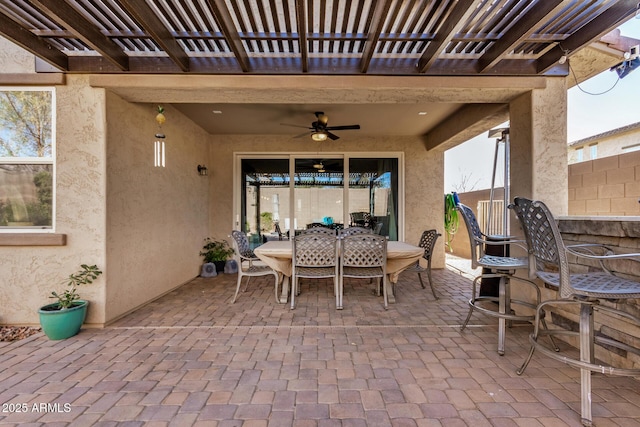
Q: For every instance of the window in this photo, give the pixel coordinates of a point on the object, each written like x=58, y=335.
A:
x=579, y=155
x=630, y=148
x=593, y=151
x=26, y=159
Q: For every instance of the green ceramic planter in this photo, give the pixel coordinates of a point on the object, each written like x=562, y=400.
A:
x=61, y=324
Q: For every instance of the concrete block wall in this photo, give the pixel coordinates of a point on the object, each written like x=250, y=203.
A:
x=609, y=186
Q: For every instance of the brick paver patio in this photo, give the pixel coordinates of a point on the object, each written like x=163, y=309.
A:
x=192, y=358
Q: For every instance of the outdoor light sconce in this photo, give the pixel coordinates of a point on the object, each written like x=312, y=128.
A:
x=202, y=170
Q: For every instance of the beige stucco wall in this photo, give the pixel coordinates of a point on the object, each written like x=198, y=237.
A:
x=30, y=273
x=157, y=217
x=14, y=59
x=538, y=131
x=424, y=176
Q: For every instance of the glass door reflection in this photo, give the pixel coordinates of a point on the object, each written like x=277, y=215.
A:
x=373, y=195
x=265, y=200
x=319, y=193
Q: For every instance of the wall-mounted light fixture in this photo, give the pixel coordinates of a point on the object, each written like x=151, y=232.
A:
x=202, y=170
x=631, y=62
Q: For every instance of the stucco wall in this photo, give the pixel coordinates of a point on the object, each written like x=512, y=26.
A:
x=30, y=273
x=424, y=172
x=157, y=217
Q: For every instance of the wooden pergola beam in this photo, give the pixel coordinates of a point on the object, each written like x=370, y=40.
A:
x=527, y=25
x=301, y=21
x=34, y=44
x=83, y=29
x=223, y=18
x=150, y=22
x=598, y=27
x=375, y=29
x=456, y=19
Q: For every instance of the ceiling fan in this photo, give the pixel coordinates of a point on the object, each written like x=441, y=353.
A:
x=320, y=131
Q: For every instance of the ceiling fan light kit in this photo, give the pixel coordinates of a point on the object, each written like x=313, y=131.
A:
x=319, y=136
x=319, y=129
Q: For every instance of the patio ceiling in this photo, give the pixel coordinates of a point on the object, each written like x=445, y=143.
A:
x=311, y=39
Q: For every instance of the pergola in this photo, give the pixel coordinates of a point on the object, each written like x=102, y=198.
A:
x=373, y=37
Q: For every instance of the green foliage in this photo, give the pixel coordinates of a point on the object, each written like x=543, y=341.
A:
x=266, y=221
x=87, y=274
x=451, y=220
x=40, y=212
x=25, y=118
x=215, y=250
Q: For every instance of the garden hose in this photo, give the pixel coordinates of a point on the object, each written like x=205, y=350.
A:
x=450, y=218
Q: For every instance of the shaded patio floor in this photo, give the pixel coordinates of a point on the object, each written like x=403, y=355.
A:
x=192, y=358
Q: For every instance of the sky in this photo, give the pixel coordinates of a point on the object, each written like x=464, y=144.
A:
x=599, y=104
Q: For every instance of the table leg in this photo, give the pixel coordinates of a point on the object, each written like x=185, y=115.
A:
x=285, y=289
x=390, y=296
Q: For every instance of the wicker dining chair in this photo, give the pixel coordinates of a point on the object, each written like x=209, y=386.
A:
x=502, y=268
x=589, y=290
x=319, y=230
x=315, y=256
x=363, y=256
x=354, y=230
x=246, y=259
x=427, y=242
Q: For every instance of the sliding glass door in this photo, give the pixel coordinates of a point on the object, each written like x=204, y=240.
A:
x=284, y=195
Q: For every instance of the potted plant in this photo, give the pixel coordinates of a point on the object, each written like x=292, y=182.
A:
x=216, y=252
x=63, y=319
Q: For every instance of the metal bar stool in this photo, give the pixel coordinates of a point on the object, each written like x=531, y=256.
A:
x=588, y=290
x=502, y=268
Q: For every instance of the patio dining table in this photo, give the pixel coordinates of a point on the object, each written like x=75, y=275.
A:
x=278, y=254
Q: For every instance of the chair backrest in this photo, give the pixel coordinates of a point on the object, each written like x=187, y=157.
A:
x=354, y=230
x=428, y=242
x=315, y=224
x=544, y=241
x=242, y=244
x=475, y=234
x=319, y=230
x=364, y=250
x=315, y=250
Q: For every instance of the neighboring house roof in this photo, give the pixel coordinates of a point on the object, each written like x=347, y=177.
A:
x=608, y=134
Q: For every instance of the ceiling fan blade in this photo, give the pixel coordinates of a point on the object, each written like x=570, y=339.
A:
x=295, y=126
x=301, y=135
x=347, y=127
x=332, y=136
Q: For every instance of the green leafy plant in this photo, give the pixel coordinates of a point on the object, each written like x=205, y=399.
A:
x=87, y=274
x=216, y=250
x=451, y=220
